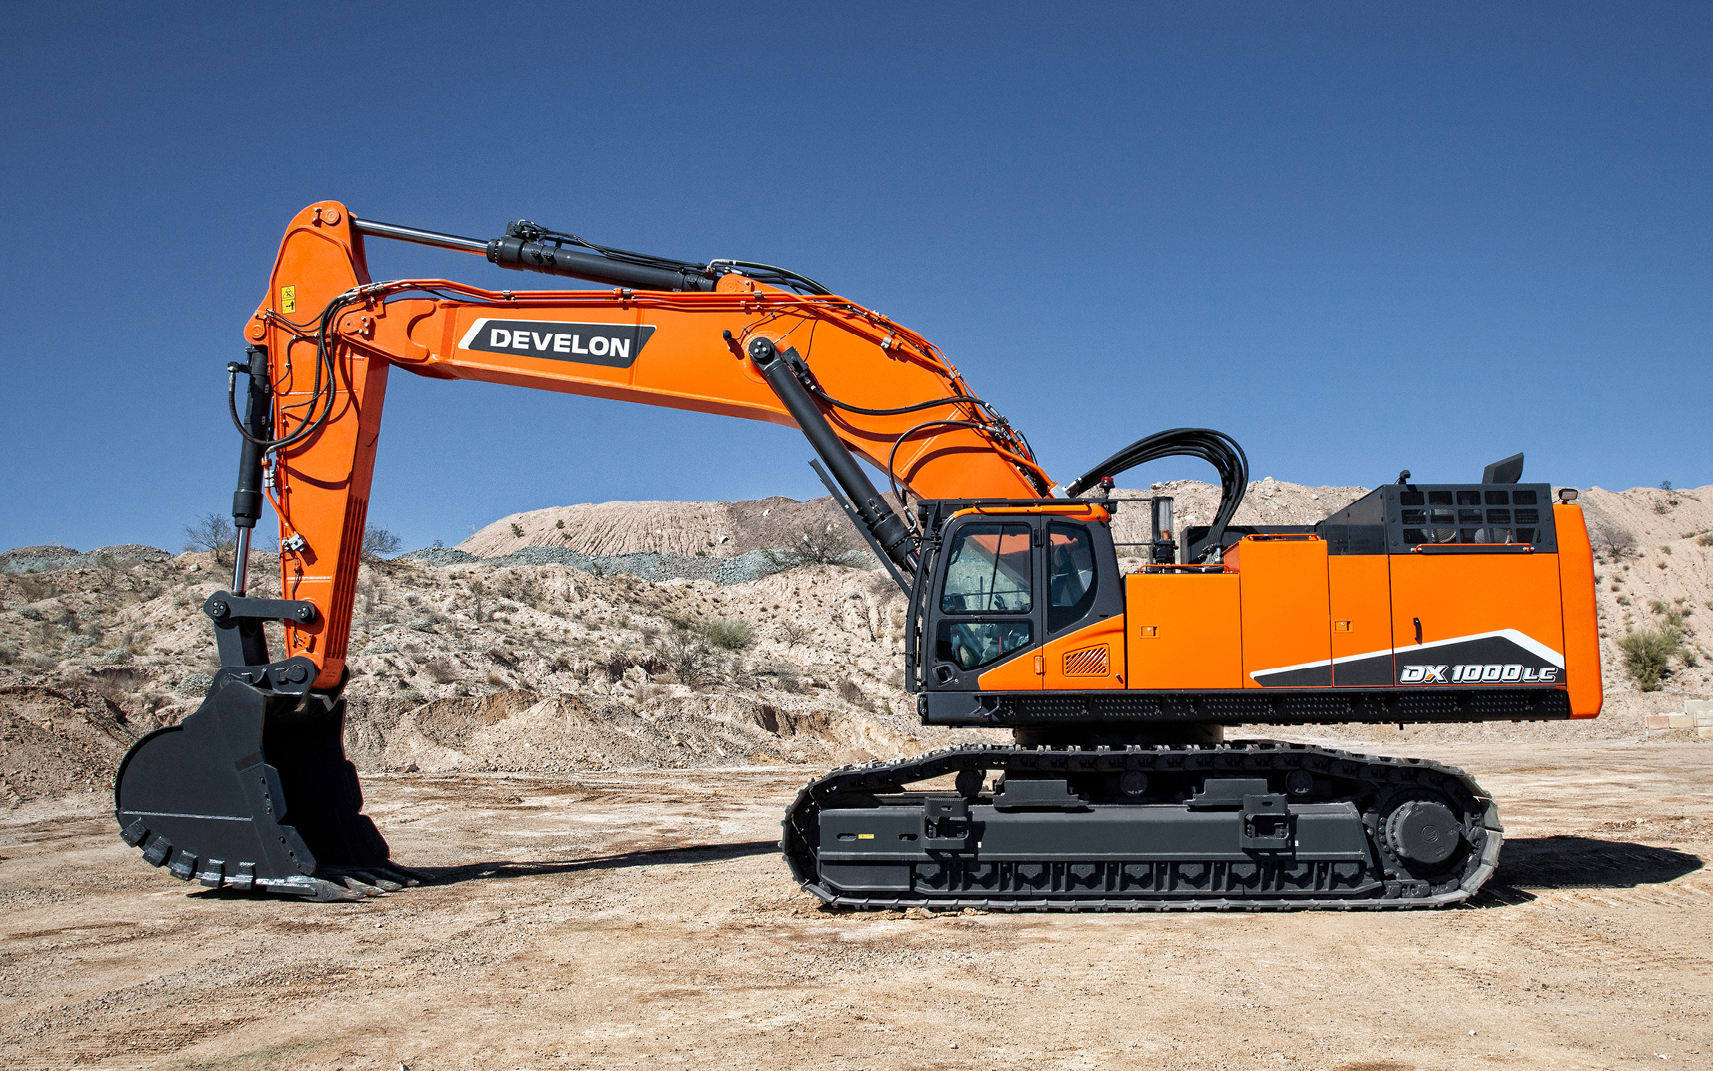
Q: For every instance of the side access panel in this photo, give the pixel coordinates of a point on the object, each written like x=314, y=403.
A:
x=1359, y=587
x=1454, y=615
x=1287, y=641
x=1183, y=631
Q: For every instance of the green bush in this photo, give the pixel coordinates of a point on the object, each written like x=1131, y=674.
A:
x=729, y=635
x=1648, y=653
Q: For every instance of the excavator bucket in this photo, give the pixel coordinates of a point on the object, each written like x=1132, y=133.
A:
x=253, y=792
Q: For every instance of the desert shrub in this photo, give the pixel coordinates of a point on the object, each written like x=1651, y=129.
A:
x=519, y=585
x=791, y=632
x=378, y=543
x=852, y=693
x=517, y=531
x=479, y=600
x=440, y=670
x=212, y=532
x=34, y=588
x=692, y=661
x=729, y=635
x=1648, y=653
x=1613, y=542
x=822, y=542
x=1705, y=539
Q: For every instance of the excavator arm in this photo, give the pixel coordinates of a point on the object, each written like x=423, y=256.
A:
x=254, y=790
x=736, y=345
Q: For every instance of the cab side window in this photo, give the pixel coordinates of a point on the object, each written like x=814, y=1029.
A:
x=989, y=571
x=1070, y=575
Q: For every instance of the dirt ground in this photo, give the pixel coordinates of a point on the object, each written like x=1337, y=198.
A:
x=630, y=920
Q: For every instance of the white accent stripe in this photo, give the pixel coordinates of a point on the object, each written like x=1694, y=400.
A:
x=470, y=335
x=1527, y=643
x=174, y=814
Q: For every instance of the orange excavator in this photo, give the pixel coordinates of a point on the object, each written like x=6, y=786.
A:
x=1417, y=603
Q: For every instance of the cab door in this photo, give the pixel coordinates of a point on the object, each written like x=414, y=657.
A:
x=1084, y=648
x=985, y=619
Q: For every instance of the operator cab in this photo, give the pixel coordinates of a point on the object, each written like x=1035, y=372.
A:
x=999, y=584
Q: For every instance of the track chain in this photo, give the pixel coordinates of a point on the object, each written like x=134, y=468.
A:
x=1237, y=757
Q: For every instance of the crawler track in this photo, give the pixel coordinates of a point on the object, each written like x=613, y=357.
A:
x=1375, y=810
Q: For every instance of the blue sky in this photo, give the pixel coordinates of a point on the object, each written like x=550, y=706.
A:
x=1358, y=238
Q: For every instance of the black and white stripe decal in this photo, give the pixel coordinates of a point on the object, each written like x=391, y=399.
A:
x=1504, y=657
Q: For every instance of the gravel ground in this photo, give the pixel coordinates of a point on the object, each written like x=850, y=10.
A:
x=645, y=920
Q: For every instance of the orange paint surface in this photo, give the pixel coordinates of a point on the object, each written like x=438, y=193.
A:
x=1359, y=591
x=1581, y=625
x=1182, y=630
x=1107, y=635
x=858, y=357
x=1283, y=584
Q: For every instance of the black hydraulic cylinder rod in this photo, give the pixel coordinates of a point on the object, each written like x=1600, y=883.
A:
x=419, y=236
x=550, y=259
x=883, y=523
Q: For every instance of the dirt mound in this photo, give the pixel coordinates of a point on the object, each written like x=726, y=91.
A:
x=509, y=664
x=51, y=558
x=519, y=731
x=707, y=529
x=1264, y=502
x=56, y=742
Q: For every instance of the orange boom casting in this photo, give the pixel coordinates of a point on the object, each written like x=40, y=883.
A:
x=1442, y=602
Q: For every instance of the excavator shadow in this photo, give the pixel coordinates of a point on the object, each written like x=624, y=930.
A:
x=496, y=870
x=1572, y=862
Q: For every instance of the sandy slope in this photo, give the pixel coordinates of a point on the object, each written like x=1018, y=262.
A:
x=546, y=668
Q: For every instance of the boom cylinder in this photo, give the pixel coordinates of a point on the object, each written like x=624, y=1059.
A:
x=549, y=259
x=882, y=522
x=518, y=252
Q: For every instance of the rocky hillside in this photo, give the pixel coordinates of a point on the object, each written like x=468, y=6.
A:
x=534, y=649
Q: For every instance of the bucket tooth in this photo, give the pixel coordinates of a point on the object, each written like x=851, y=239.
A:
x=156, y=851
x=182, y=866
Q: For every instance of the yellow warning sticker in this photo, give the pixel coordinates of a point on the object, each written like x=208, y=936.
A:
x=288, y=299
x=865, y=836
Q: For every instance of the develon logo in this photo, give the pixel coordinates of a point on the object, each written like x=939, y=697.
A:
x=612, y=345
